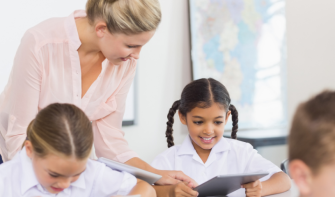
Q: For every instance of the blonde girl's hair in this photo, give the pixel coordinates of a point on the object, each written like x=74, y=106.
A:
x=125, y=16
x=61, y=129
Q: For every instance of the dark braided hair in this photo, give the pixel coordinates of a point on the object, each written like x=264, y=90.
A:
x=201, y=93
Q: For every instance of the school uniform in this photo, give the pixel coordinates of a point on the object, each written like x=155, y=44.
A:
x=227, y=157
x=18, y=179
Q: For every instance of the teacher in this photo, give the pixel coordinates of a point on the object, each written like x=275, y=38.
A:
x=87, y=59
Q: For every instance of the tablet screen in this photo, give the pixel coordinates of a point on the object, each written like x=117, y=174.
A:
x=223, y=185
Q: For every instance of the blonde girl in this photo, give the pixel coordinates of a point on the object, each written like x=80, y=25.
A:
x=54, y=160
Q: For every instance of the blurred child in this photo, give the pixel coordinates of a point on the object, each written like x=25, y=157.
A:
x=204, y=108
x=54, y=160
x=312, y=146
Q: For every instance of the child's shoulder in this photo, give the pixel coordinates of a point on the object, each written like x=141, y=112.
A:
x=170, y=152
x=7, y=168
x=238, y=145
x=165, y=160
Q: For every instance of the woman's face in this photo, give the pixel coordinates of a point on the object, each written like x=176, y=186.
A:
x=206, y=125
x=118, y=48
x=56, y=173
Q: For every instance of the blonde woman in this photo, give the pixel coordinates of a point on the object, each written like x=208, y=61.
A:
x=87, y=59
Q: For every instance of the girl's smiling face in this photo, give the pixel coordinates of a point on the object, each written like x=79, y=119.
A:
x=206, y=125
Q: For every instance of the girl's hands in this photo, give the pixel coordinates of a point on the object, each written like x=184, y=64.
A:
x=182, y=190
x=253, y=189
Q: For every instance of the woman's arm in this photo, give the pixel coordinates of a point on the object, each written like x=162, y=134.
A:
x=144, y=189
x=277, y=183
x=109, y=139
x=19, y=101
x=169, y=177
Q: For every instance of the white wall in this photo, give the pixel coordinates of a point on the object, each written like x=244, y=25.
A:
x=311, y=49
x=165, y=69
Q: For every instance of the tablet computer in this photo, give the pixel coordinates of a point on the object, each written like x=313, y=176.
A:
x=224, y=184
x=149, y=177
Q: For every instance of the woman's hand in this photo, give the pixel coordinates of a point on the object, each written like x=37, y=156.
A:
x=168, y=177
x=174, y=177
x=253, y=189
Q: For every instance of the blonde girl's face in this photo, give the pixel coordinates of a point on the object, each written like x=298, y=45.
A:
x=206, y=125
x=119, y=47
x=56, y=173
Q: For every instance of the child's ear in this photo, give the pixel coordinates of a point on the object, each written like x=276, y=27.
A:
x=182, y=118
x=29, y=148
x=227, y=117
x=302, y=176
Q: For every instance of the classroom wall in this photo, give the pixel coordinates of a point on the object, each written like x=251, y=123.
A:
x=311, y=49
x=164, y=69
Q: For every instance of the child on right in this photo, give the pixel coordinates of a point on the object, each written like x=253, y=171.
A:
x=312, y=146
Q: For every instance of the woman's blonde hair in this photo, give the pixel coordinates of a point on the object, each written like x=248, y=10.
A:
x=125, y=16
x=61, y=129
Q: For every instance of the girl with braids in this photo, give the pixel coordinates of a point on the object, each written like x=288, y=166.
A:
x=204, y=107
x=54, y=161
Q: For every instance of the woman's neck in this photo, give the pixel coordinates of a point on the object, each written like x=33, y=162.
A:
x=203, y=153
x=87, y=37
x=89, y=52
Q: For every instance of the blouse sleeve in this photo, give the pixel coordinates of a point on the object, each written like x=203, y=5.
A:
x=257, y=163
x=109, y=139
x=19, y=101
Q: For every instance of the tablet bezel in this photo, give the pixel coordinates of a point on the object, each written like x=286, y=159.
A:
x=226, y=184
x=149, y=177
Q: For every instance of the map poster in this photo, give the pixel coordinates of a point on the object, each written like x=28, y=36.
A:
x=242, y=44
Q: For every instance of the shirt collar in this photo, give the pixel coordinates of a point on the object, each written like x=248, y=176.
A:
x=28, y=179
x=188, y=149
x=71, y=28
x=80, y=182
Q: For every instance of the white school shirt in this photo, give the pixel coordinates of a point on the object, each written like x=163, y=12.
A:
x=17, y=178
x=228, y=156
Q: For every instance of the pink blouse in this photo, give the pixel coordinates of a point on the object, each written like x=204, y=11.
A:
x=47, y=70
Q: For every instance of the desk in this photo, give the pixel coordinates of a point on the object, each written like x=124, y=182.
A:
x=261, y=137
x=293, y=192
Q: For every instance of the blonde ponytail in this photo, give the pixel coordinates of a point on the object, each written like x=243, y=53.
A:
x=125, y=16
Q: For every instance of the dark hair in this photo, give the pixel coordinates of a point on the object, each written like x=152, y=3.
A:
x=201, y=93
x=62, y=129
x=312, y=134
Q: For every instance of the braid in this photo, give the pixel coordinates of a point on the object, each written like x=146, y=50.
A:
x=234, y=117
x=169, y=123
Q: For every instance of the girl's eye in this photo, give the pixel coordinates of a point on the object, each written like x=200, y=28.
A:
x=197, y=122
x=130, y=47
x=218, y=122
x=52, y=175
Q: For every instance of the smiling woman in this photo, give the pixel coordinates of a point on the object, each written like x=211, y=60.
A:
x=87, y=59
